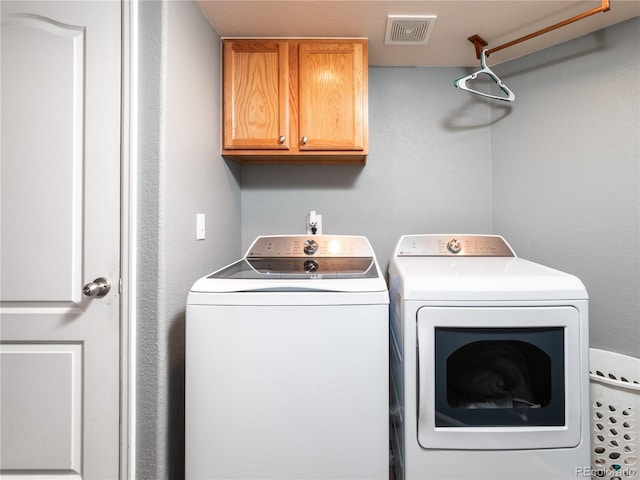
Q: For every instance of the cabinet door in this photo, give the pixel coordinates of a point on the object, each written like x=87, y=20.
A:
x=332, y=109
x=256, y=95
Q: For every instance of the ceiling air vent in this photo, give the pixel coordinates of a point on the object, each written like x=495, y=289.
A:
x=409, y=29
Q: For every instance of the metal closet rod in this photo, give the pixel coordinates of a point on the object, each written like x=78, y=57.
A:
x=479, y=43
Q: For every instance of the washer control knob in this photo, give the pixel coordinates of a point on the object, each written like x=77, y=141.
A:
x=310, y=266
x=454, y=245
x=310, y=247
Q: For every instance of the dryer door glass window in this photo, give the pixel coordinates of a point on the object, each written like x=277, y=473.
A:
x=499, y=377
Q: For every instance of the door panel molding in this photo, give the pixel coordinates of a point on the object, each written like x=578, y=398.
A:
x=47, y=227
x=42, y=389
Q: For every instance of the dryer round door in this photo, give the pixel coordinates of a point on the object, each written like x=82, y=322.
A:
x=499, y=377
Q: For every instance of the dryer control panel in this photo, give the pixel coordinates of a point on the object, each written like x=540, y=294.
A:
x=454, y=246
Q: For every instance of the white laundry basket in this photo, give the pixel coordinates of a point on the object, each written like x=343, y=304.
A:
x=615, y=412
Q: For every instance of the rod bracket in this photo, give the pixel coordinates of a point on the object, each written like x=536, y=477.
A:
x=479, y=43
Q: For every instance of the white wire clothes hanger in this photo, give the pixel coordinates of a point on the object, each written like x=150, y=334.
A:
x=461, y=83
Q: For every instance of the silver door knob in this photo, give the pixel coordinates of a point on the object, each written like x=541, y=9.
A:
x=304, y=140
x=98, y=288
x=281, y=139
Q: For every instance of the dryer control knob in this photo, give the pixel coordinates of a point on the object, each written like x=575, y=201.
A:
x=310, y=247
x=454, y=245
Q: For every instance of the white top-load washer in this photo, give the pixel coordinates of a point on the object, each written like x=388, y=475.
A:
x=287, y=363
x=489, y=363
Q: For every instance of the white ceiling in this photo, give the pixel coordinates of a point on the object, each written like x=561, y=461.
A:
x=496, y=21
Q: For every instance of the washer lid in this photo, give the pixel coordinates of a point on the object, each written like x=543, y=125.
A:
x=289, y=275
x=285, y=268
x=290, y=263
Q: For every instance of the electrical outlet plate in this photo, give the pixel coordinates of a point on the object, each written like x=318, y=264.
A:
x=314, y=220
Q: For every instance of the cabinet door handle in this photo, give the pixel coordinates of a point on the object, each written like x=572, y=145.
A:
x=304, y=140
x=281, y=139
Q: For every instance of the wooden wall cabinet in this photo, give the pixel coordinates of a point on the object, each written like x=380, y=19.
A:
x=295, y=100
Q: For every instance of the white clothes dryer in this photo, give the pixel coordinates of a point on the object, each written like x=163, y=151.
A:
x=287, y=364
x=489, y=363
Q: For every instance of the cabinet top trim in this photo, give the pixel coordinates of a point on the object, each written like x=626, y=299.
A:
x=350, y=39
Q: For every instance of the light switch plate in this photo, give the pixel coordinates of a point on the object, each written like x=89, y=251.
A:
x=200, y=228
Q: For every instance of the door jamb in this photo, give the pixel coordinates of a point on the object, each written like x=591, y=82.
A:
x=128, y=238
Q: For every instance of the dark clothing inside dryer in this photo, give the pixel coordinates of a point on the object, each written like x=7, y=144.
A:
x=490, y=374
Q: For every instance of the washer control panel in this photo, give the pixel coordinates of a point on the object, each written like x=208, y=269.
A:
x=454, y=246
x=310, y=246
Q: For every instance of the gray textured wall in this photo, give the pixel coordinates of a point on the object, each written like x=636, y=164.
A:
x=181, y=174
x=566, y=172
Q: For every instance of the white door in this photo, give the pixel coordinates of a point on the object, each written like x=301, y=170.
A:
x=60, y=208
